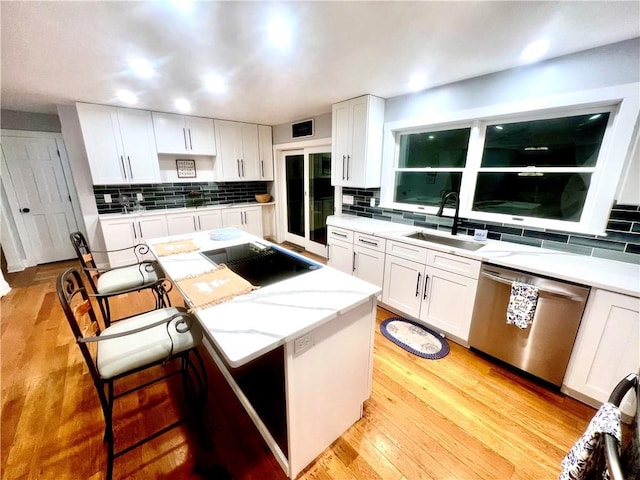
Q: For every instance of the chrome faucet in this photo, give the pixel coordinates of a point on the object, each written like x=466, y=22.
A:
x=456, y=198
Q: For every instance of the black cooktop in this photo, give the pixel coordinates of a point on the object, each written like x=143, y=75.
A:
x=261, y=265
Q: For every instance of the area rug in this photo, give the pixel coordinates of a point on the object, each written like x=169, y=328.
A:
x=415, y=338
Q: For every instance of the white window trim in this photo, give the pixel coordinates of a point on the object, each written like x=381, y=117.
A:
x=613, y=154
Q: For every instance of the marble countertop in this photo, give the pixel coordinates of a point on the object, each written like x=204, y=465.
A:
x=250, y=325
x=166, y=211
x=609, y=275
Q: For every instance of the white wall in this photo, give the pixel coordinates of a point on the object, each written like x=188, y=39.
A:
x=81, y=177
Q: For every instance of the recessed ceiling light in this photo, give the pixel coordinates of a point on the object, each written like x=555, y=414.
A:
x=141, y=67
x=127, y=97
x=182, y=105
x=215, y=83
x=417, y=82
x=279, y=32
x=534, y=51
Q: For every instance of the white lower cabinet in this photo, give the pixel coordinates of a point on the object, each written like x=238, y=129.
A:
x=606, y=348
x=248, y=219
x=438, y=297
x=340, y=249
x=189, y=222
x=121, y=233
x=368, y=258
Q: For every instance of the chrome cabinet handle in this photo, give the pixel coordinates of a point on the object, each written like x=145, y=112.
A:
x=337, y=234
x=418, y=285
x=194, y=223
x=133, y=226
x=353, y=263
x=190, y=142
x=238, y=162
x=262, y=167
x=242, y=163
x=124, y=169
x=348, y=158
x=368, y=242
x=426, y=282
x=130, y=169
x=343, y=160
x=184, y=135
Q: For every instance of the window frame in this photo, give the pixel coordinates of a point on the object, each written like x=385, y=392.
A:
x=621, y=101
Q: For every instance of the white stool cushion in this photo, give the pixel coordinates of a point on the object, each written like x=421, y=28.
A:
x=125, y=278
x=119, y=355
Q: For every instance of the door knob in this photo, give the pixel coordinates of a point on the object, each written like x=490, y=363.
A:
x=25, y=210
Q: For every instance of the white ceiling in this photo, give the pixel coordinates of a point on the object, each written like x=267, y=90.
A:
x=62, y=52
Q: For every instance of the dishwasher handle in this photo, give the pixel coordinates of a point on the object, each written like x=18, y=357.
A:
x=498, y=278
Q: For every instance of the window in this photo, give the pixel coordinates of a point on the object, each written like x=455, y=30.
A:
x=539, y=168
x=557, y=167
x=430, y=164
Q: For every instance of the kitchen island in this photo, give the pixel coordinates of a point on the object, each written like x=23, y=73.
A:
x=298, y=353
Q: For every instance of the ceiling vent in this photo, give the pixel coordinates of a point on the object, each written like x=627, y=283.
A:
x=302, y=129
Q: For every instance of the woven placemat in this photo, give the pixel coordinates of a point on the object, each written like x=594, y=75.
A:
x=177, y=246
x=214, y=287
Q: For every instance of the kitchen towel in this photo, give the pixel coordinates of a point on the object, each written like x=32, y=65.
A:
x=213, y=287
x=586, y=459
x=174, y=247
x=522, y=304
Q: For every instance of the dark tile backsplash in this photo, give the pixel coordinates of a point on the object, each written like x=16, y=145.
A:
x=175, y=195
x=622, y=240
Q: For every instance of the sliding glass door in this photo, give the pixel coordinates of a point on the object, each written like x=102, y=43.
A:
x=309, y=197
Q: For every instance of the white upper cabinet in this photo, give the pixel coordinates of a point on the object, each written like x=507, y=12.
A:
x=120, y=144
x=265, y=143
x=238, y=157
x=183, y=134
x=357, y=142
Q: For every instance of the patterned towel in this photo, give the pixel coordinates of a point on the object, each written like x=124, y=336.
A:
x=177, y=246
x=522, y=304
x=586, y=459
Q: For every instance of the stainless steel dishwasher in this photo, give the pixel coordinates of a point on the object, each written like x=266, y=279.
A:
x=544, y=347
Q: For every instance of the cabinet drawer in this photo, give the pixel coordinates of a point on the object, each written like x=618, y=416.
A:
x=340, y=234
x=407, y=251
x=454, y=263
x=368, y=241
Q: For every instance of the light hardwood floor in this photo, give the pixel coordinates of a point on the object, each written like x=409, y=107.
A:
x=461, y=417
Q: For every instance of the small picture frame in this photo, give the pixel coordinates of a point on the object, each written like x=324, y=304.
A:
x=186, y=168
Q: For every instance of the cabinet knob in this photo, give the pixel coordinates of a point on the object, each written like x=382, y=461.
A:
x=25, y=210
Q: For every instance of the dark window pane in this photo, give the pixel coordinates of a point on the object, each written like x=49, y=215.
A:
x=320, y=195
x=558, y=196
x=447, y=148
x=294, y=165
x=425, y=188
x=556, y=142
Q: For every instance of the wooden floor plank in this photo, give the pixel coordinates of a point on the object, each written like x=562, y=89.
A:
x=461, y=417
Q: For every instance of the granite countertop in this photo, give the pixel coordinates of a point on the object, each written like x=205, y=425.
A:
x=606, y=274
x=250, y=325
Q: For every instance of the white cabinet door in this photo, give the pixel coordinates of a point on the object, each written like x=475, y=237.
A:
x=265, y=142
x=136, y=130
x=340, y=255
x=369, y=265
x=119, y=143
x=403, y=285
x=357, y=130
x=181, y=134
x=181, y=223
x=200, y=133
x=122, y=233
x=237, y=158
x=101, y=134
x=189, y=222
x=247, y=219
x=209, y=220
x=448, y=300
x=606, y=347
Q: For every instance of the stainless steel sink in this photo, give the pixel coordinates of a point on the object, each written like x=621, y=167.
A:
x=449, y=241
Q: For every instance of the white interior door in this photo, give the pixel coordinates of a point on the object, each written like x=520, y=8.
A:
x=309, y=197
x=43, y=204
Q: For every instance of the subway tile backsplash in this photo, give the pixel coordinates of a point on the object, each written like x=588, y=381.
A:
x=621, y=242
x=174, y=195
